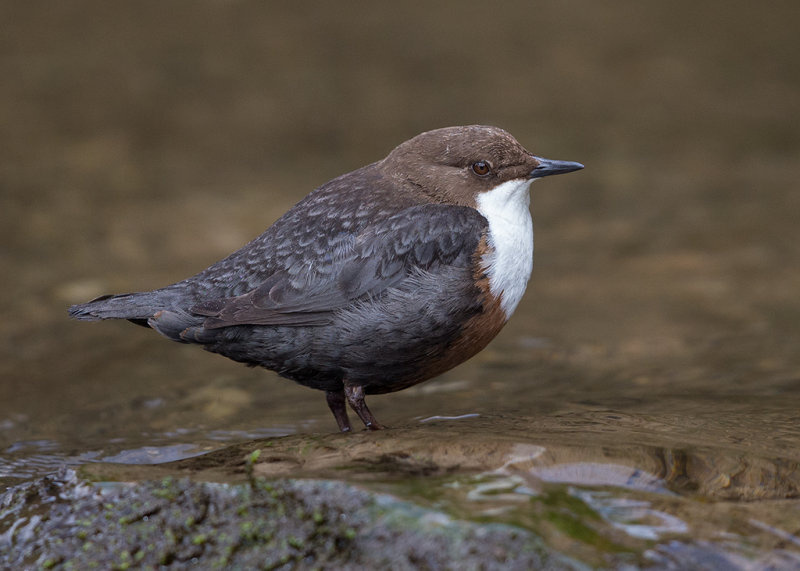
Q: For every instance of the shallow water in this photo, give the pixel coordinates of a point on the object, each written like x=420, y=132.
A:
x=648, y=386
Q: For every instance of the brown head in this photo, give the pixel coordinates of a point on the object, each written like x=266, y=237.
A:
x=454, y=165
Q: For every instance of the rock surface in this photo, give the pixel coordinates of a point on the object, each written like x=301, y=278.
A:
x=61, y=522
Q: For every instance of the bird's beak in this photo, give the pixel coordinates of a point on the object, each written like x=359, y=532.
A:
x=547, y=167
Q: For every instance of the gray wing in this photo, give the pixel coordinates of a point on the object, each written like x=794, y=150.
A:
x=419, y=238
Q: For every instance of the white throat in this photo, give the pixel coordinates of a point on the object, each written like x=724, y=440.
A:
x=510, y=258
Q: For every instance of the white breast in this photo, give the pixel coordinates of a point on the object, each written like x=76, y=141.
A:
x=510, y=259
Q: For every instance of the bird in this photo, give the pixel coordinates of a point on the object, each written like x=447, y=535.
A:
x=377, y=280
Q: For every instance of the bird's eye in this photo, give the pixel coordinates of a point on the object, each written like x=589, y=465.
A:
x=481, y=168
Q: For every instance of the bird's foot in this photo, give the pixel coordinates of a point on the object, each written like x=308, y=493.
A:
x=338, y=405
x=355, y=397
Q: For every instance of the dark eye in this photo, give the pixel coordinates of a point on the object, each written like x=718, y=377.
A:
x=481, y=168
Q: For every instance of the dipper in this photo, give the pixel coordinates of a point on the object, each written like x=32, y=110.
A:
x=378, y=280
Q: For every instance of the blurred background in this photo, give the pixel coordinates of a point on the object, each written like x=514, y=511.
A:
x=142, y=141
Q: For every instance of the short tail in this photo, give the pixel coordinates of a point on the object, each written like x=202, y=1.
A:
x=136, y=307
x=150, y=309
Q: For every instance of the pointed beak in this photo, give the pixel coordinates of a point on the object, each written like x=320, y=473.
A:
x=547, y=167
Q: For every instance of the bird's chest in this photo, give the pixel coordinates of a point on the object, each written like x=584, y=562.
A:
x=508, y=259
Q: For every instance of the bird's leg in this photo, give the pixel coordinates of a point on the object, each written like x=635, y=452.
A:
x=338, y=406
x=355, y=396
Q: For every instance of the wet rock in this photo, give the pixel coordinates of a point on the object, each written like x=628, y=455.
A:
x=61, y=522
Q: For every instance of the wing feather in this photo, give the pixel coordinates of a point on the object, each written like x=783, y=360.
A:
x=419, y=238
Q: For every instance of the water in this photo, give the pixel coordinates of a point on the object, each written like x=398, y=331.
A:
x=644, y=398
